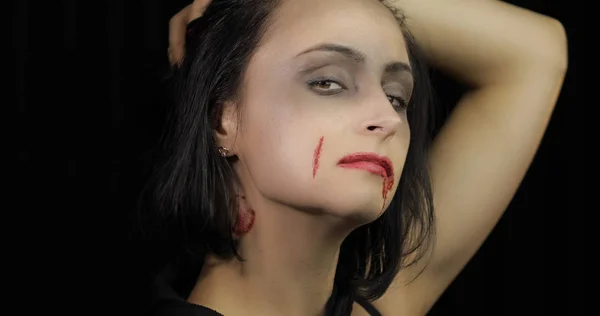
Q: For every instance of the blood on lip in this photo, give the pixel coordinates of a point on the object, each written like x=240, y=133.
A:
x=373, y=163
x=370, y=166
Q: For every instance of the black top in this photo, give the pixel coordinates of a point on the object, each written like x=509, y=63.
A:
x=167, y=302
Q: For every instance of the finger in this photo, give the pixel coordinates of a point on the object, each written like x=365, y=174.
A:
x=177, y=26
x=197, y=9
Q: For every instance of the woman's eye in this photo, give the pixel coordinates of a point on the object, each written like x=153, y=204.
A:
x=326, y=86
x=398, y=103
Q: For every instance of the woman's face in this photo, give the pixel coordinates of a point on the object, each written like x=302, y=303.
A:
x=330, y=79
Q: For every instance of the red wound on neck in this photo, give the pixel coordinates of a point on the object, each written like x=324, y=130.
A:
x=245, y=219
x=316, y=156
x=244, y=223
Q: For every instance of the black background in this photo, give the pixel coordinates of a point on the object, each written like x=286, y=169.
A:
x=90, y=102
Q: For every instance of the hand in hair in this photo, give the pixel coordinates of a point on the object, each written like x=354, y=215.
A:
x=177, y=26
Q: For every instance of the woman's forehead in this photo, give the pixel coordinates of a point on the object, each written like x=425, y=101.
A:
x=365, y=25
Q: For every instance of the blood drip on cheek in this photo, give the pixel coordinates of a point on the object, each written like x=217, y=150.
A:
x=316, y=156
x=388, y=183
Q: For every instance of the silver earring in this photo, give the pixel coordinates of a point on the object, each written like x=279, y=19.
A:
x=223, y=151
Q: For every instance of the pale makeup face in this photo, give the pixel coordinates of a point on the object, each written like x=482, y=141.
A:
x=330, y=79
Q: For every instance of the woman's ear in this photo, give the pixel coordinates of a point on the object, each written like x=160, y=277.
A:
x=227, y=126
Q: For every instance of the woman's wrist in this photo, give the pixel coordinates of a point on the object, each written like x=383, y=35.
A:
x=479, y=40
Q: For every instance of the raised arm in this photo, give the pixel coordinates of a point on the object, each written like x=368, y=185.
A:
x=515, y=61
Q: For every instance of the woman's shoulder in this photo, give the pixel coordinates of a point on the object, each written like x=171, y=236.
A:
x=166, y=301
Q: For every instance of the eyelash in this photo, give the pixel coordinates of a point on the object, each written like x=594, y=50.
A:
x=403, y=104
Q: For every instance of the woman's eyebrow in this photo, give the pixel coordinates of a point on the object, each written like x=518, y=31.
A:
x=358, y=57
x=348, y=52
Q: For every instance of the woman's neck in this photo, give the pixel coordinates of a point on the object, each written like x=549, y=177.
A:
x=289, y=266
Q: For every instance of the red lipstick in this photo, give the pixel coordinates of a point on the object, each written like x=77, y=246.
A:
x=373, y=163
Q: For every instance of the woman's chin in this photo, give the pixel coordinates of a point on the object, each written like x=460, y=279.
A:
x=359, y=209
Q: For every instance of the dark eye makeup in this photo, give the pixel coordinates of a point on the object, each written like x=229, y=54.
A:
x=327, y=86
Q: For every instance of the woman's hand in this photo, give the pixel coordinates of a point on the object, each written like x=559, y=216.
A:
x=177, y=26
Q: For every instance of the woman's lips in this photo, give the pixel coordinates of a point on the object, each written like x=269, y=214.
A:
x=367, y=166
x=373, y=163
x=370, y=162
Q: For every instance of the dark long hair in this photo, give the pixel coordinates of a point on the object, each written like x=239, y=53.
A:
x=191, y=194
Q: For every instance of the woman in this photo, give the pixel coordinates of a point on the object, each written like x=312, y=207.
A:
x=298, y=168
